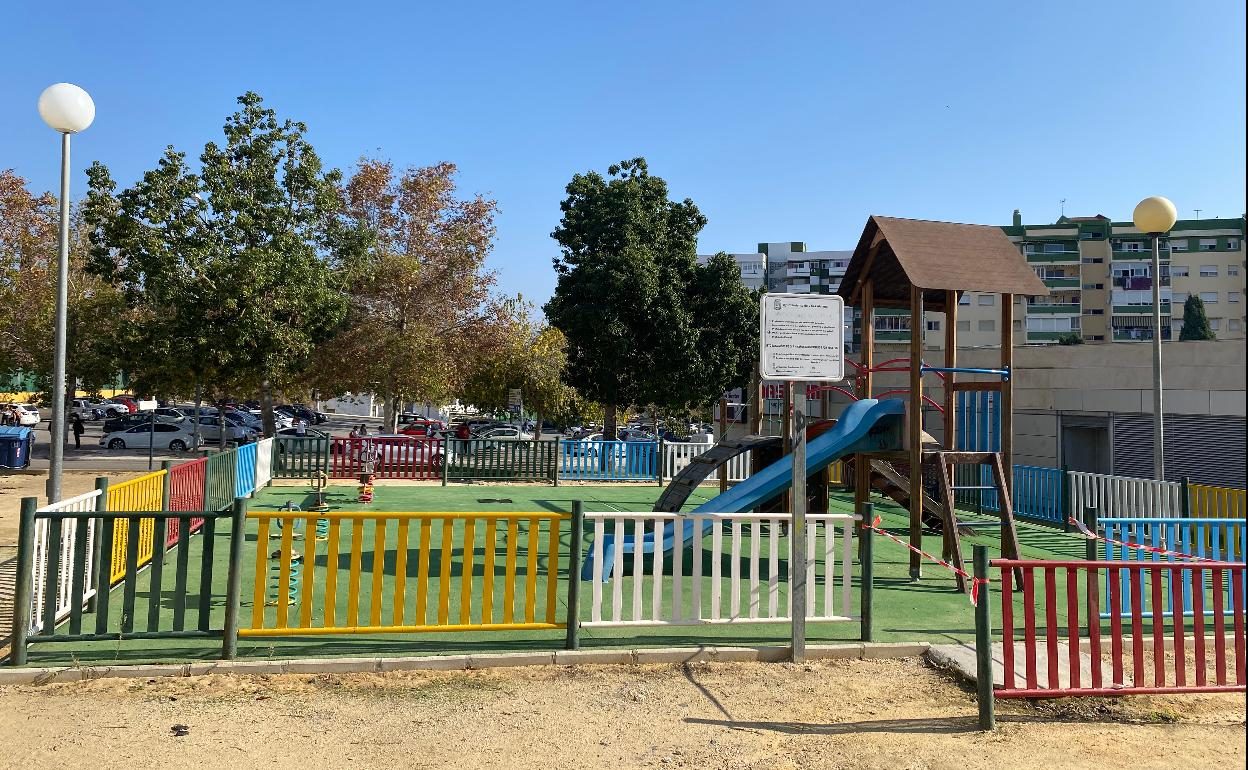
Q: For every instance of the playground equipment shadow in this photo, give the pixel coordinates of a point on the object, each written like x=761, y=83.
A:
x=928, y=610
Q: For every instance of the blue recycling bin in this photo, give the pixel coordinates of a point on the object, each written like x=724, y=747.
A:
x=15, y=446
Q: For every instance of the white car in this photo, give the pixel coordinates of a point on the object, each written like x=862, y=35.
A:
x=397, y=448
x=175, y=437
x=87, y=409
x=27, y=415
x=210, y=431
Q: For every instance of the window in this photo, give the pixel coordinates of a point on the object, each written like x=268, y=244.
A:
x=1029, y=248
x=1215, y=323
x=987, y=299
x=1233, y=325
x=964, y=326
x=1018, y=326
x=1097, y=286
x=1232, y=244
x=965, y=299
x=1208, y=271
x=1130, y=246
x=1179, y=245
x=1208, y=244
x=162, y=428
x=1093, y=260
x=1095, y=337
x=1209, y=297
x=1232, y=296
x=1054, y=248
x=933, y=326
x=1179, y=271
x=1094, y=311
x=987, y=326
x=1179, y=297
x=1232, y=269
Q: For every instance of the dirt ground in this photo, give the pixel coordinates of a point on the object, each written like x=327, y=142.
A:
x=833, y=714
x=13, y=487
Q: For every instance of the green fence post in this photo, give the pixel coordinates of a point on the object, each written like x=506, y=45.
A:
x=574, y=578
x=658, y=463
x=24, y=588
x=166, y=466
x=867, y=578
x=97, y=548
x=1185, y=500
x=1090, y=548
x=557, y=461
x=234, y=580
x=446, y=458
x=983, y=643
x=1066, y=501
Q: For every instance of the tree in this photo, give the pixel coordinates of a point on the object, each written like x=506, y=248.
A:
x=1195, y=322
x=531, y=360
x=230, y=274
x=645, y=323
x=420, y=302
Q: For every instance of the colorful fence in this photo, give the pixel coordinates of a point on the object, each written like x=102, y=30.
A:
x=1071, y=588
x=55, y=543
x=608, y=460
x=1120, y=496
x=245, y=470
x=146, y=493
x=1209, y=502
x=264, y=462
x=397, y=457
x=738, y=572
x=405, y=573
x=1210, y=539
x=502, y=460
x=186, y=493
x=297, y=457
x=56, y=572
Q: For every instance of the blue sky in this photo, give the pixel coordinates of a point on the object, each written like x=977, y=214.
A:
x=781, y=121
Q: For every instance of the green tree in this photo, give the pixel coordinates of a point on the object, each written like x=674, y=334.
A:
x=230, y=274
x=532, y=360
x=1195, y=322
x=421, y=307
x=645, y=323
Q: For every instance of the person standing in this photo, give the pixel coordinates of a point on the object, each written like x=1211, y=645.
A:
x=78, y=429
x=301, y=428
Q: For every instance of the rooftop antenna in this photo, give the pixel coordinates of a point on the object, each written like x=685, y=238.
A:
x=1197, y=213
x=1063, y=207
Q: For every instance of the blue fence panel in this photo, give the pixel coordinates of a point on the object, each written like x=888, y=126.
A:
x=1039, y=493
x=245, y=470
x=1203, y=538
x=609, y=460
x=979, y=421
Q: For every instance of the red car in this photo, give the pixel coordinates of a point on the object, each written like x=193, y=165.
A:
x=421, y=428
x=127, y=402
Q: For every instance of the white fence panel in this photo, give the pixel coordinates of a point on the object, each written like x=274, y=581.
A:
x=677, y=455
x=1121, y=496
x=673, y=589
x=43, y=548
x=264, y=462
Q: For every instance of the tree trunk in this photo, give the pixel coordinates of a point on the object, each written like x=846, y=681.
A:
x=199, y=402
x=388, y=417
x=609, y=431
x=221, y=423
x=266, y=407
x=537, y=430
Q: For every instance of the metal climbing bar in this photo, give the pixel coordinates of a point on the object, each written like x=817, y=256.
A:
x=1003, y=373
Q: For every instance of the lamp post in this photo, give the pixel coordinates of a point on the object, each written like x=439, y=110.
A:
x=68, y=109
x=1155, y=216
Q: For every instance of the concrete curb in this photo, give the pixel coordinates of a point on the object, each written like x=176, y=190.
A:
x=478, y=661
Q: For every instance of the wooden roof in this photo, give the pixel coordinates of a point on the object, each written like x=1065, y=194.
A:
x=937, y=257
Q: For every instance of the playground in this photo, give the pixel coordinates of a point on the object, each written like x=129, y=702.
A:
x=871, y=714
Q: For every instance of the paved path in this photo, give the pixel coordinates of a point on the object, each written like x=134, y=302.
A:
x=960, y=658
x=8, y=584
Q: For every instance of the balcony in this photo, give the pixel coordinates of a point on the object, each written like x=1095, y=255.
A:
x=1129, y=254
x=1140, y=334
x=1051, y=257
x=1138, y=282
x=892, y=335
x=798, y=288
x=1140, y=309
x=1049, y=336
x=1057, y=308
x=1061, y=281
x=797, y=272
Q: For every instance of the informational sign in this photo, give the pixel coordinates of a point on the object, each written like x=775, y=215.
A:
x=514, y=400
x=802, y=337
x=147, y=406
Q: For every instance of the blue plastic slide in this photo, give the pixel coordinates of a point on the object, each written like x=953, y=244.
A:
x=868, y=425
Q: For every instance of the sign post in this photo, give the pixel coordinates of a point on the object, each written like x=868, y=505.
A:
x=801, y=339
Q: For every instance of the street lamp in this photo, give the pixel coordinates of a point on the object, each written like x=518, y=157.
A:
x=68, y=109
x=1155, y=216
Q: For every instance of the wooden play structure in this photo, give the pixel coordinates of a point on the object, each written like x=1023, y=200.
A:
x=925, y=266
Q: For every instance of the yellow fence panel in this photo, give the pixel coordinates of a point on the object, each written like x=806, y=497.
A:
x=1210, y=502
x=142, y=494
x=836, y=473
x=384, y=573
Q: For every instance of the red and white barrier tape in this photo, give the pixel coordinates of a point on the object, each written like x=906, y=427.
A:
x=975, y=582
x=1090, y=535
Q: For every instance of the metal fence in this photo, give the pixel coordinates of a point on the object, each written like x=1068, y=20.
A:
x=264, y=462
x=146, y=493
x=388, y=457
x=1037, y=493
x=1120, y=496
x=245, y=470
x=58, y=542
x=609, y=460
x=220, y=480
x=299, y=457
x=501, y=460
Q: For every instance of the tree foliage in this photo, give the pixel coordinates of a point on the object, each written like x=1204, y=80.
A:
x=1195, y=322
x=421, y=307
x=230, y=274
x=645, y=323
x=532, y=359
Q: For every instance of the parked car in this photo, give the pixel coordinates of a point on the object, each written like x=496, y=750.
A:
x=423, y=454
x=171, y=412
x=87, y=409
x=634, y=434
x=114, y=408
x=176, y=437
x=308, y=433
x=27, y=415
x=244, y=418
x=420, y=427
x=122, y=422
x=505, y=432
x=211, y=431
x=131, y=403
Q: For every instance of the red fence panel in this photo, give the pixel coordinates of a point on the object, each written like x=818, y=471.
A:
x=186, y=493
x=1171, y=634
x=391, y=457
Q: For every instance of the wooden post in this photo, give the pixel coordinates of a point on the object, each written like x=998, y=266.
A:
x=756, y=414
x=1007, y=390
x=915, y=425
x=868, y=337
x=723, y=434
x=866, y=565
x=951, y=360
x=97, y=553
x=234, y=579
x=24, y=582
x=983, y=643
